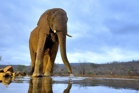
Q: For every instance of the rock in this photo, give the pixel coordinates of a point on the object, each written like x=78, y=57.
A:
x=7, y=75
x=8, y=68
x=19, y=73
x=6, y=72
x=13, y=74
x=6, y=80
x=1, y=71
x=23, y=73
x=2, y=75
x=10, y=73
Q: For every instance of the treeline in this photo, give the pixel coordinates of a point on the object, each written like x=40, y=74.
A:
x=18, y=68
x=130, y=68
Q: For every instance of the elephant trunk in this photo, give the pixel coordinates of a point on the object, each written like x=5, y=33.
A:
x=62, y=42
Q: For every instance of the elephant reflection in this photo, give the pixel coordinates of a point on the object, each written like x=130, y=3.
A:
x=44, y=85
x=67, y=90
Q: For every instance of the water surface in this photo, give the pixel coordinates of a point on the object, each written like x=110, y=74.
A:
x=66, y=85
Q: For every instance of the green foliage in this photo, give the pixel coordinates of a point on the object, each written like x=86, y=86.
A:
x=128, y=70
x=21, y=67
x=94, y=65
x=89, y=73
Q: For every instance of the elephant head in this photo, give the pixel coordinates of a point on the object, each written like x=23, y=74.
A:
x=58, y=24
x=52, y=23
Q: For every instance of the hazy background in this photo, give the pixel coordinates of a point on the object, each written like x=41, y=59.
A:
x=103, y=30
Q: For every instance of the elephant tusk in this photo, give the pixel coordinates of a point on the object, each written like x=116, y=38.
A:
x=54, y=31
x=69, y=35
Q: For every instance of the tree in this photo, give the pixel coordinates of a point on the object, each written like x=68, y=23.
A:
x=82, y=68
x=21, y=67
x=94, y=67
x=55, y=67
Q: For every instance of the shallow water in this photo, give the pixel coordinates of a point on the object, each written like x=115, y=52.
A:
x=66, y=85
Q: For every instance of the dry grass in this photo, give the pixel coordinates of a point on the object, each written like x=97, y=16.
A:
x=110, y=76
x=100, y=76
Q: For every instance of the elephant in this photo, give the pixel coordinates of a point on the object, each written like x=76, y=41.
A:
x=50, y=32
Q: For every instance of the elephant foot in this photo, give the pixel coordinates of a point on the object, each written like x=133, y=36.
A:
x=47, y=74
x=37, y=75
x=71, y=76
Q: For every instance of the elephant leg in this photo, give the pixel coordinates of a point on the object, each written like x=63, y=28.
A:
x=39, y=57
x=37, y=85
x=33, y=56
x=46, y=58
x=67, y=90
x=47, y=85
x=50, y=63
x=30, y=90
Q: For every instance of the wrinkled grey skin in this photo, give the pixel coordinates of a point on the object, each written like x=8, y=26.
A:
x=44, y=40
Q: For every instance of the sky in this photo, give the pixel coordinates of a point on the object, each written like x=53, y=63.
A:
x=103, y=30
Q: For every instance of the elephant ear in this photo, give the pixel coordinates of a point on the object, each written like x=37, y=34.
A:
x=43, y=23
